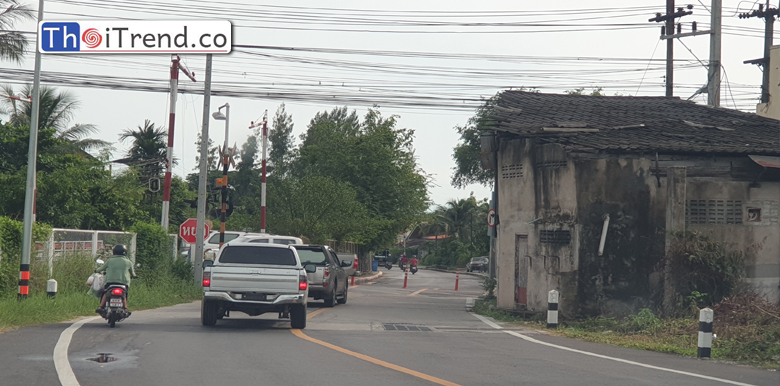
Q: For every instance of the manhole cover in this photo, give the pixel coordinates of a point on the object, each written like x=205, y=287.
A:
x=103, y=358
x=404, y=327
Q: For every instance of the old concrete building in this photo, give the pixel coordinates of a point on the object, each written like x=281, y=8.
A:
x=644, y=166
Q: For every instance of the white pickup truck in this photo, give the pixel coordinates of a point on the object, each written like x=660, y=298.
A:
x=254, y=279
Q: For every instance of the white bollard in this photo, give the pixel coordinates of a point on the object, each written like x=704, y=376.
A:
x=706, y=317
x=51, y=287
x=552, y=309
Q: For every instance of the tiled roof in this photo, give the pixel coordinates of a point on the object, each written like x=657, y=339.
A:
x=634, y=124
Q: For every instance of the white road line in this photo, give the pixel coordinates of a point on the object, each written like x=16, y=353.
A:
x=513, y=333
x=61, y=362
x=487, y=321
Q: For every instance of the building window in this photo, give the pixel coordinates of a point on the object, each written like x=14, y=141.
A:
x=552, y=164
x=754, y=214
x=560, y=237
x=713, y=212
x=511, y=171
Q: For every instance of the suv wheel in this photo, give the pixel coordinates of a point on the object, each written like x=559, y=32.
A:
x=330, y=300
x=343, y=299
x=298, y=316
x=208, y=312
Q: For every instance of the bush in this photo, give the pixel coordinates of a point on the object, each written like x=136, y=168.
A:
x=11, y=252
x=154, y=250
x=704, y=271
x=182, y=270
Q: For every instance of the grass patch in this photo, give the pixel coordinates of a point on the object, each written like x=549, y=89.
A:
x=748, y=330
x=39, y=309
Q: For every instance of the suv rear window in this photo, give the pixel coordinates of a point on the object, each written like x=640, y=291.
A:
x=311, y=256
x=257, y=255
x=284, y=241
x=228, y=236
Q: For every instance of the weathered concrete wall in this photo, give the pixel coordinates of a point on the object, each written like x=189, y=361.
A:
x=551, y=208
x=746, y=219
x=625, y=277
x=538, y=237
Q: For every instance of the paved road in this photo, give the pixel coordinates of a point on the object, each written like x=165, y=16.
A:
x=384, y=335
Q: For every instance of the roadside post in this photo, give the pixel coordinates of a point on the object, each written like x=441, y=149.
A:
x=457, y=278
x=552, y=309
x=706, y=317
x=51, y=288
x=406, y=275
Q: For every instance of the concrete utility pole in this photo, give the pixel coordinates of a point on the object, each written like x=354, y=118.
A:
x=263, y=188
x=197, y=258
x=769, y=18
x=667, y=33
x=32, y=159
x=713, y=75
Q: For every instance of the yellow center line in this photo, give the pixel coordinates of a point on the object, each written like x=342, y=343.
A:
x=375, y=361
x=415, y=293
x=315, y=313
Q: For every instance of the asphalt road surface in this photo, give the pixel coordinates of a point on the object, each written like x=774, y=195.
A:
x=384, y=335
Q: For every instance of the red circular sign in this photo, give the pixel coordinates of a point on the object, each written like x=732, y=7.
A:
x=491, y=218
x=188, y=230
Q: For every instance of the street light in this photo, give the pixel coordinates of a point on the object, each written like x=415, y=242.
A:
x=225, y=163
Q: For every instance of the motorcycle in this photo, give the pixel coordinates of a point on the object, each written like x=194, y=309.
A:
x=413, y=269
x=388, y=265
x=116, y=304
x=402, y=266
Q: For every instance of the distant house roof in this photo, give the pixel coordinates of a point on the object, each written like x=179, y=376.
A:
x=634, y=124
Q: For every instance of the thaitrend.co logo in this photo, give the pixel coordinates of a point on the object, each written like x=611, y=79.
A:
x=133, y=36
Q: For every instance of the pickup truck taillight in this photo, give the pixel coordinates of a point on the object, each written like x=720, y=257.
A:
x=303, y=283
x=206, y=279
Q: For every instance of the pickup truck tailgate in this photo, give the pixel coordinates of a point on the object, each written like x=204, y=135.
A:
x=247, y=278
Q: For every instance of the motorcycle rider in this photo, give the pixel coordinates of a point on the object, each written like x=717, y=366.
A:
x=119, y=269
x=413, y=264
x=404, y=260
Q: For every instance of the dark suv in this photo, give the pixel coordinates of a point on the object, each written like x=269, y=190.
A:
x=477, y=264
x=329, y=282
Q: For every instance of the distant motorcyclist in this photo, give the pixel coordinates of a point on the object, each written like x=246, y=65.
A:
x=413, y=262
x=404, y=260
x=119, y=269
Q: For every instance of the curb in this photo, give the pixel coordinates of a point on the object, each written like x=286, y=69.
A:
x=364, y=279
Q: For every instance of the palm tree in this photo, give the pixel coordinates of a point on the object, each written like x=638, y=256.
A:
x=149, y=148
x=56, y=110
x=12, y=44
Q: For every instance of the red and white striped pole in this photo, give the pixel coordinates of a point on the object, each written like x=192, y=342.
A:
x=262, y=187
x=406, y=275
x=175, y=67
x=457, y=278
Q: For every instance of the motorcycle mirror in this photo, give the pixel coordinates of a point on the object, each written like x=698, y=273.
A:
x=100, y=261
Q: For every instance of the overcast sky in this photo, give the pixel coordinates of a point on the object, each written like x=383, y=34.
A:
x=428, y=62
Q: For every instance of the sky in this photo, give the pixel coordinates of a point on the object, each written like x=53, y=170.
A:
x=429, y=62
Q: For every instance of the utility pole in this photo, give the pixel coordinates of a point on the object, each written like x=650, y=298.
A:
x=32, y=159
x=769, y=18
x=713, y=72
x=667, y=33
x=203, y=176
x=175, y=67
x=264, y=164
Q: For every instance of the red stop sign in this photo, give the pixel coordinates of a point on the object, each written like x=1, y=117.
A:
x=188, y=230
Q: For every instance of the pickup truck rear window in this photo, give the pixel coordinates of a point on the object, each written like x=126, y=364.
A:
x=309, y=256
x=257, y=255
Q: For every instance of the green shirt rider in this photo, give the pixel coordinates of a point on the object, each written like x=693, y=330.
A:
x=119, y=269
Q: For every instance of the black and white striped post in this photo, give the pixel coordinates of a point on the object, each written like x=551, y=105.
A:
x=51, y=288
x=706, y=316
x=552, y=309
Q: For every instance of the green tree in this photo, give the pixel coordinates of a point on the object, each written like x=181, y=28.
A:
x=595, y=91
x=376, y=159
x=57, y=109
x=468, y=168
x=148, y=151
x=13, y=44
x=280, y=139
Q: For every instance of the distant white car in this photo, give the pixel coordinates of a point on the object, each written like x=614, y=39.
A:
x=211, y=246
